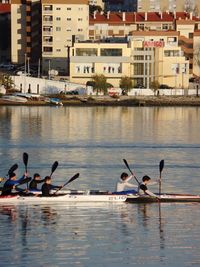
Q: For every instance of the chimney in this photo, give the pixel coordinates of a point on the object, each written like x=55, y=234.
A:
x=174, y=14
x=145, y=16
x=191, y=15
x=161, y=14
x=94, y=14
x=123, y=16
x=108, y=15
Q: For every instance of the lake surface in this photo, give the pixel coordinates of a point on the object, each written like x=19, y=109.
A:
x=94, y=141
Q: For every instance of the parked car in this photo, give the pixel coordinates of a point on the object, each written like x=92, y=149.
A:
x=165, y=86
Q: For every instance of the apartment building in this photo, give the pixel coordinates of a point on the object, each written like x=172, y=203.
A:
x=122, y=24
x=63, y=23
x=144, y=57
x=5, y=29
x=25, y=31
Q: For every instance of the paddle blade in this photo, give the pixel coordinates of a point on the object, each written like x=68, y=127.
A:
x=126, y=163
x=25, y=159
x=161, y=165
x=72, y=179
x=54, y=167
x=12, y=169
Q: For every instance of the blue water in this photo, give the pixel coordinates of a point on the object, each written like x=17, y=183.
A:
x=94, y=141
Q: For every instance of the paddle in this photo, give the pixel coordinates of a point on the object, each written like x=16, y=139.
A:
x=161, y=166
x=54, y=167
x=70, y=180
x=25, y=160
x=11, y=170
x=126, y=163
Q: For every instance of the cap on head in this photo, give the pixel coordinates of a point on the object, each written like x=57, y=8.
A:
x=11, y=175
x=146, y=178
x=124, y=175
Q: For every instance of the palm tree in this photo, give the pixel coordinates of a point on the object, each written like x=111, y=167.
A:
x=6, y=81
x=100, y=84
x=125, y=84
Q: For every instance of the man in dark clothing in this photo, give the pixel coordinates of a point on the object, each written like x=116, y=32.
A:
x=47, y=187
x=146, y=180
x=12, y=183
x=35, y=181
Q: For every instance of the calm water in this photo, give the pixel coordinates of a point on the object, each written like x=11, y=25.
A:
x=93, y=141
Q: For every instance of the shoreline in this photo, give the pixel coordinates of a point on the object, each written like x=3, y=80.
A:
x=142, y=101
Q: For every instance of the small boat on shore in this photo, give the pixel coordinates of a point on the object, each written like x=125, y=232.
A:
x=54, y=101
x=14, y=98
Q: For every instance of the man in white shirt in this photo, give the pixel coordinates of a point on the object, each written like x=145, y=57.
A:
x=123, y=184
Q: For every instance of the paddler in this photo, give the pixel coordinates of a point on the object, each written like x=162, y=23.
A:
x=47, y=187
x=12, y=183
x=34, y=182
x=123, y=184
x=142, y=189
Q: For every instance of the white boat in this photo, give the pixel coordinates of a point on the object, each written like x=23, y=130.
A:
x=66, y=198
x=54, y=101
x=13, y=98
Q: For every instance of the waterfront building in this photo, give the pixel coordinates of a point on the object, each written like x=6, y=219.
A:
x=25, y=31
x=122, y=24
x=63, y=23
x=144, y=57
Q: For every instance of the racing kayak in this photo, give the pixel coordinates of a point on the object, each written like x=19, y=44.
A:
x=163, y=198
x=64, y=198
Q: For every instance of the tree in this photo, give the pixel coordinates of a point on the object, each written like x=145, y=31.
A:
x=100, y=84
x=6, y=81
x=125, y=84
x=93, y=8
x=155, y=86
x=197, y=63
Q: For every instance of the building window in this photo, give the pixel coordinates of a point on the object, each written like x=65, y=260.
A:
x=113, y=68
x=138, y=69
x=80, y=30
x=86, y=52
x=58, y=18
x=69, y=8
x=69, y=19
x=111, y=52
x=58, y=29
x=82, y=68
x=58, y=8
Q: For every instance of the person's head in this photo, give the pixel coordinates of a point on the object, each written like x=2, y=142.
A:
x=124, y=176
x=47, y=180
x=12, y=176
x=36, y=176
x=146, y=179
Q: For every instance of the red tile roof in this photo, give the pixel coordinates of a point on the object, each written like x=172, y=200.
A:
x=139, y=17
x=5, y=8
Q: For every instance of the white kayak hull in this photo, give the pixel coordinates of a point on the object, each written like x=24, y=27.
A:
x=64, y=199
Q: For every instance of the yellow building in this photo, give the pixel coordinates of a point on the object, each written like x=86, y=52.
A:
x=63, y=22
x=145, y=57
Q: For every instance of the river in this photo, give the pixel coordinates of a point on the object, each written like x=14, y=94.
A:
x=94, y=141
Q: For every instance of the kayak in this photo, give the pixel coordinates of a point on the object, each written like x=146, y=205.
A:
x=163, y=198
x=66, y=198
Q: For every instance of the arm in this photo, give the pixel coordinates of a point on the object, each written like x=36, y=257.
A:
x=151, y=194
x=131, y=185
